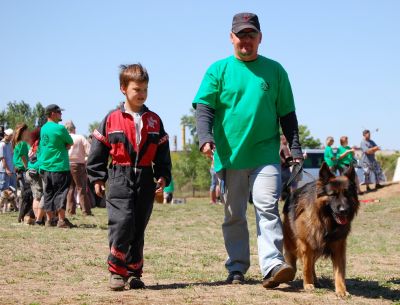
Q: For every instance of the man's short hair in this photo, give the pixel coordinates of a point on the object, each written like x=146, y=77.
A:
x=365, y=131
x=132, y=73
x=69, y=125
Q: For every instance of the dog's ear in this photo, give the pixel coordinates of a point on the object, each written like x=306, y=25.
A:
x=325, y=173
x=350, y=173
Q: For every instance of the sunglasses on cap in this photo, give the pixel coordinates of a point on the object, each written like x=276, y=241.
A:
x=251, y=34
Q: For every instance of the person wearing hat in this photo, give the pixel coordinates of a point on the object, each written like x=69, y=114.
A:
x=240, y=104
x=7, y=171
x=54, y=166
x=369, y=163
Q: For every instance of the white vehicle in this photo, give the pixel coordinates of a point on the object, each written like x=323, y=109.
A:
x=312, y=164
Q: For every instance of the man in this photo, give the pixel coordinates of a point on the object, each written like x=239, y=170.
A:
x=368, y=161
x=7, y=173
x=77, y=161
x=54, y=166
x=240, y=101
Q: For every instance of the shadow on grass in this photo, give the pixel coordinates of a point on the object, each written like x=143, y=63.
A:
x=373, y=289
x=357, y=287
x=186, y=285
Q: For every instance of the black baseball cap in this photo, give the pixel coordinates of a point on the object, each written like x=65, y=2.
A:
x=53, y=108
x=243, y=21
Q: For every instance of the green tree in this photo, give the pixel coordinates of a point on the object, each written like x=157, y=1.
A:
x=18, y=112
x=306, y=140
x=94, y=125
x=189, y=121
x=191, y=169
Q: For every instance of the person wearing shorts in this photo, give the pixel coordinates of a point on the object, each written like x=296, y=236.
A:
x=54, y=166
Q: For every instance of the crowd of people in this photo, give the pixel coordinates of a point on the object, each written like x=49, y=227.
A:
x=344, y=157
x=46, y=169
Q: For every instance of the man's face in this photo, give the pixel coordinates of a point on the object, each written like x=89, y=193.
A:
x=56, y=116
x=8, y=138
x=136, y=93
x=245, y=44
x=367, y=136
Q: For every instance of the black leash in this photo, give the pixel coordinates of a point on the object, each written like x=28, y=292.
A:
x=296, y=171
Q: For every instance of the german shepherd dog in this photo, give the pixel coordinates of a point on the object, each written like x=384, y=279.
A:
x=316, y=222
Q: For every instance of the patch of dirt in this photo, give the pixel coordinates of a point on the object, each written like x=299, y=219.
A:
x=389, y=190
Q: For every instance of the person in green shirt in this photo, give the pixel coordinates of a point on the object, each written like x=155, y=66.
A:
x=54, y=166
x=20, y=160
x=329, y=155
x=21, y=147
x=345, y=155
x=240, y=104
x=345, y=158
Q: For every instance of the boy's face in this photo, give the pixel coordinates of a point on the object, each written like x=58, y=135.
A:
x=136, y=93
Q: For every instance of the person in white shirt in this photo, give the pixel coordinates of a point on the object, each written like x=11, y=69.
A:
x=77, y=159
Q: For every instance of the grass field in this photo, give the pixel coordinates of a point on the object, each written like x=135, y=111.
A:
x=184, y=257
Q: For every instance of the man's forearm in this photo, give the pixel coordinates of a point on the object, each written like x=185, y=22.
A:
x=290, y=130
x=204, y=123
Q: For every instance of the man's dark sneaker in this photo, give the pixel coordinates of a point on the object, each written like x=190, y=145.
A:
x=135, y=283
x=368, y=189
x=39, y=222
x=235, y=277
x=378, y=186
x=65, y=223
x=117, y=282
x=280, y=274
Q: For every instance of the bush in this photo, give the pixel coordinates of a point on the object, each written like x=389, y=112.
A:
x=388, y=164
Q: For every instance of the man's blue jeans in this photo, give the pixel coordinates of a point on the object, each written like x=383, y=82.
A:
x=264, y=183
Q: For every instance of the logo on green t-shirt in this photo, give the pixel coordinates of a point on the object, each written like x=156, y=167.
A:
x=45, y=140
x=265, y=86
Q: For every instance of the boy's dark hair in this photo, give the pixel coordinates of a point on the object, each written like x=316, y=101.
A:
x=134, y=73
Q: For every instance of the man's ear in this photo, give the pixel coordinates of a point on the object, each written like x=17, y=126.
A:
x=231, y=37
x=260, y=37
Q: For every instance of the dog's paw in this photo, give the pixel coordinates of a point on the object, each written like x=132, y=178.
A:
x=342, y=294
x=309, y=287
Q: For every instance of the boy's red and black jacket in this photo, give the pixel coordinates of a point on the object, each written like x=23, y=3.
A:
x=116, y=138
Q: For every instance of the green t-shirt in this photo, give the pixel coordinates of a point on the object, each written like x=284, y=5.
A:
x=20, y=150
x=248, y=99
x=170, y=187
x=347, y=160
x=328, y=156
x=53, y=152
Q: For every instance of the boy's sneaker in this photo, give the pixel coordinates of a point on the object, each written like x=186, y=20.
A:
x=65, y=223
x=235, y=277
x=117, y=282
x=280, y=274
x=136, y=283
x=39, y=222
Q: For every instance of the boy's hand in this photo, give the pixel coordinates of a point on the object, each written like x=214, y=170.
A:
x=99, y=188
x=160, y=185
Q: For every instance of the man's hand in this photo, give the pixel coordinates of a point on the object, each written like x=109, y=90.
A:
x=8, y=172
x=208, y=149
x=99, y=188
x=160, y=185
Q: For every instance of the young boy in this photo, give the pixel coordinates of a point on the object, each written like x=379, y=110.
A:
x=137, y=144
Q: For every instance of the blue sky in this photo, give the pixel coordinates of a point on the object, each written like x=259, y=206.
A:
x=342, y=57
